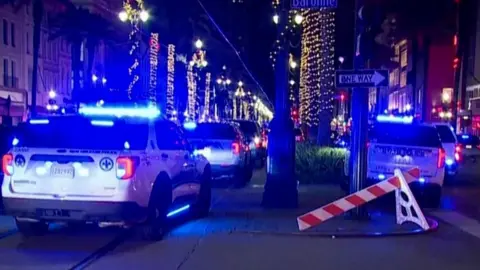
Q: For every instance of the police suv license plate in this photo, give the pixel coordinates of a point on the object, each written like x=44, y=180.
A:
x=62, y=171
x=52, y=213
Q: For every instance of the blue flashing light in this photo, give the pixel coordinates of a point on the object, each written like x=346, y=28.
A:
x=126, y=145
x=395, y=119
x=148, y=112
x=39, y=121
x=465, y=136
x=449, y=162
x=381, y=177
x=15, y=141
x=343, y=143
x=178, y=210
x=421, y=180
x=102, y=123
x=190, y=125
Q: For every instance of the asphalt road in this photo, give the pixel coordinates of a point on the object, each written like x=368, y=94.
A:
x=202, y=245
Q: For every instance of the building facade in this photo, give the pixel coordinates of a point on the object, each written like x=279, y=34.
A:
x=16, y=53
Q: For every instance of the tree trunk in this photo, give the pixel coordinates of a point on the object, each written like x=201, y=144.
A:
x=37, y=23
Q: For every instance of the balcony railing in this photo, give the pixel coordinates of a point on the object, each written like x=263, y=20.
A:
x=9, y=81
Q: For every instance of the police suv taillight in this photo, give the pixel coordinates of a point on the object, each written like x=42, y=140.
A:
x=125, y=168
x=7, y=164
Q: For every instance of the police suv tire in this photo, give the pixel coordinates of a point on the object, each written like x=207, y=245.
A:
x=154, y=227
x=202, y=206
x=27, y=228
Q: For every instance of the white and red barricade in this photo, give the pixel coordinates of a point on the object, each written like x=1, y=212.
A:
x=398, y=183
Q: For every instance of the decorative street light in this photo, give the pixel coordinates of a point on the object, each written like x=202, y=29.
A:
x=199, y=44
x=52, y=94
x=276, y=18
x=298, y=18
x=293, y=64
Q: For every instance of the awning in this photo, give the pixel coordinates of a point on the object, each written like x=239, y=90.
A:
x=15, y=110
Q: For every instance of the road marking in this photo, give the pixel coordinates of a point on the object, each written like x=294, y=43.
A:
x=466, y=224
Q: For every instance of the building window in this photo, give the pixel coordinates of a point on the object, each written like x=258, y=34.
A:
x=14, y=78
x=30, y=77
x=403, y=78
x=5, y=72
x=5, y=32
x=403, y=58
x=12, y=34
x=27, y=42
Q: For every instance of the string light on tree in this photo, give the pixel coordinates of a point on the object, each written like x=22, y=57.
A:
x=170, y=80
x=134, y=12
x=317, y=65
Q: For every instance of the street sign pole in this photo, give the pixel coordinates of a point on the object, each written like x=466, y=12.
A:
x=358, y=150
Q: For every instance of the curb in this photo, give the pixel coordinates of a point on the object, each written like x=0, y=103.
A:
x=432, y=222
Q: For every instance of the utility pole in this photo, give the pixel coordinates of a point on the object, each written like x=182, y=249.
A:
x=281, y=185
x=359, y=110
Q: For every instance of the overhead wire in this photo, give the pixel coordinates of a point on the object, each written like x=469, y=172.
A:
x=235, y=50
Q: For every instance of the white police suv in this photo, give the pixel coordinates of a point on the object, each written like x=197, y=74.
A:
x=105, y=169
x=225, y=148
x=404, y=145
x=397, y=143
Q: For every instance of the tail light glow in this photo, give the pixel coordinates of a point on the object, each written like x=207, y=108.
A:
x=125, y=168
x=7, y=164
x=441, y=158
x=236, y=148
x=257, y=141
x=458, y=152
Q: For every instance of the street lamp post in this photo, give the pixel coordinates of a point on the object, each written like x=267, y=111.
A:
x=281, y=187
x=135, y=13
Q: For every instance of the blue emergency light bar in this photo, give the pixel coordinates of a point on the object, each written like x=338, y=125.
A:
x=147, y=112
x=102, y=123
x=39, y=121
x=190, y=125
x=395, y=119
x=465, y=136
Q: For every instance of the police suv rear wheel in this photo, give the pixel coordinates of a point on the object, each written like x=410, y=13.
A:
x=202, y=207
x=29, y=228
x=155, y=226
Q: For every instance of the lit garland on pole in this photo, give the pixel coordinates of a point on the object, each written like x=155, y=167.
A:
x=192, y=91
x=154, y=49
x=170, y=80
x=134, y=12
x=198, y=62
x=206, y=109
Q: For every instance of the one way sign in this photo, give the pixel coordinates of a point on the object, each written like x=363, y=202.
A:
x=361, y=78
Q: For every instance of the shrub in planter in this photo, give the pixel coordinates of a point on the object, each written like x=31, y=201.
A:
x=317, y=165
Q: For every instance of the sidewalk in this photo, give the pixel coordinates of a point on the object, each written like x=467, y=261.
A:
x=239, y=211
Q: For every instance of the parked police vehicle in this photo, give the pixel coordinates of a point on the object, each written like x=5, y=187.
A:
x=224, y=145
x=103, y=170
x=253, y=135
x=397, y=143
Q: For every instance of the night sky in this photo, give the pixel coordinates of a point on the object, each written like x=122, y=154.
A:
x=252, y=22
